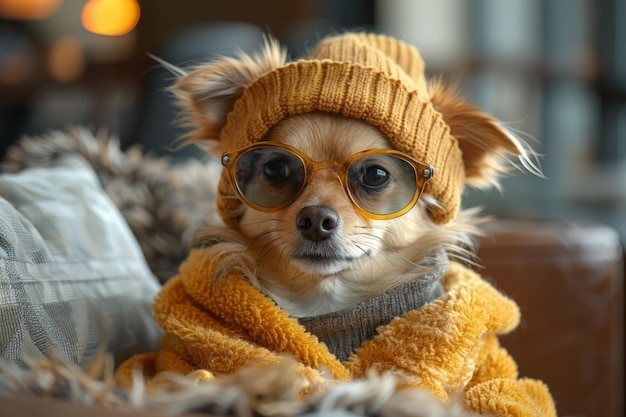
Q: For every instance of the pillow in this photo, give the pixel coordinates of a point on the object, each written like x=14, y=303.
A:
x=73, y=279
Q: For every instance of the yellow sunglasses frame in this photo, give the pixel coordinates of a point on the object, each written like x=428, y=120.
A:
x=423, y=174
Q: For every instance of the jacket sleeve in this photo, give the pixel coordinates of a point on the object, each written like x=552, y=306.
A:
x=197, y=339
x=511, y=397
x=496, y=389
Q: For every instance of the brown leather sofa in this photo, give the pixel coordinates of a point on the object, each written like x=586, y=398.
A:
x=568, y=280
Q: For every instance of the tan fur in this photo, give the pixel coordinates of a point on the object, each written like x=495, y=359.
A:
x=486, y=144
x=372, y=255
x=210, y=90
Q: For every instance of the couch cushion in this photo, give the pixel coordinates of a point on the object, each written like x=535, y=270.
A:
x=72, y=276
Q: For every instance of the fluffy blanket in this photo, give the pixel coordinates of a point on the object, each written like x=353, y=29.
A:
x=254, y=391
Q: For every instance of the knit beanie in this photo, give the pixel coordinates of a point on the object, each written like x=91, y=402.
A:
x=375, y=78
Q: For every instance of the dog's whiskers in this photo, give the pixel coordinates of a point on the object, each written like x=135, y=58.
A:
x=388, y=230
x=385, y=249
x=266, y=247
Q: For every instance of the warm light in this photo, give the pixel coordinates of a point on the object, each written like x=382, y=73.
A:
x=110, y=17
x=29, y=9
x=66, y=61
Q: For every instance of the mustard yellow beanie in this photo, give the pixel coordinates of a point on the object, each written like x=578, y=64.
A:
x=370, y=77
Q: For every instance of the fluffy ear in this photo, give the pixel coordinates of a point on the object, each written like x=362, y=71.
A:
x=207, y=93
x=486, y=145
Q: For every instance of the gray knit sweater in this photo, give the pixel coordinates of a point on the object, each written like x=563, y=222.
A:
x=345, y=330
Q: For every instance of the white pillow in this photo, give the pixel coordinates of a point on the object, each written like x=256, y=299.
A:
x=72, y=276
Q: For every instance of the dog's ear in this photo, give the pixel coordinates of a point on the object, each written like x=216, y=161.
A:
x=486, y=145
x=208, y=92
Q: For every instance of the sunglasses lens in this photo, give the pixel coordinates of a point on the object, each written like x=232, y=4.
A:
x=382, y=184
x=269, y=177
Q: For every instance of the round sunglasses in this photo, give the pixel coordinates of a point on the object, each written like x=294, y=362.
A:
x=381, y=183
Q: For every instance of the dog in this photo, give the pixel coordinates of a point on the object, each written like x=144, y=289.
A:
x=343, y=236
x=317, y=253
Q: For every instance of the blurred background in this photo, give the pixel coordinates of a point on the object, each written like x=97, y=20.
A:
x=554, y=71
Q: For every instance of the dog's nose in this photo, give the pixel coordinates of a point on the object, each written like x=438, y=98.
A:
x=317, y=222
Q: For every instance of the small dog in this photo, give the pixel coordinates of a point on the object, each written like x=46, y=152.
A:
x=340, y=190
x=332, y=215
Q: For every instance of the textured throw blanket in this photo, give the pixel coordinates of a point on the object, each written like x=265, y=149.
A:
x=448, y=347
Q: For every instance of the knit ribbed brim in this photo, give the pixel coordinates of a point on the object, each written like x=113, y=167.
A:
x=372, y=78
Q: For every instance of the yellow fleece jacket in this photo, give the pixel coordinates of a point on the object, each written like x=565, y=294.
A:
x=448, y=346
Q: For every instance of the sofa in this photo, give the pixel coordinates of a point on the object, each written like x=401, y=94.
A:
x=88, y=233
x=568, y=280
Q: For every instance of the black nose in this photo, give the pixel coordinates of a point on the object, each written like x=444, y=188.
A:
x=317, y=222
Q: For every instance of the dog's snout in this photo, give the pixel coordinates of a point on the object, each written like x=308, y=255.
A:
x=317, y=223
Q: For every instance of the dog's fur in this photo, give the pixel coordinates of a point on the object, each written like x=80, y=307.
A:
x=363, y=257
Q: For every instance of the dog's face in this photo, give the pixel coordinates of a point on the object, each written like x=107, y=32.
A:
x=319, y=247
x=319, y=233
x=318, y=253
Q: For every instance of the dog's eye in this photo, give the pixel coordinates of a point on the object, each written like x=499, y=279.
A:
x=375, y=176
x=276, y=170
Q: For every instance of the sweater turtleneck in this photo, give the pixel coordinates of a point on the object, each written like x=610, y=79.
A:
x=345, y=330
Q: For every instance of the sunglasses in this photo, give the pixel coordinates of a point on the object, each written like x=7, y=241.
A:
x=381, y=183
